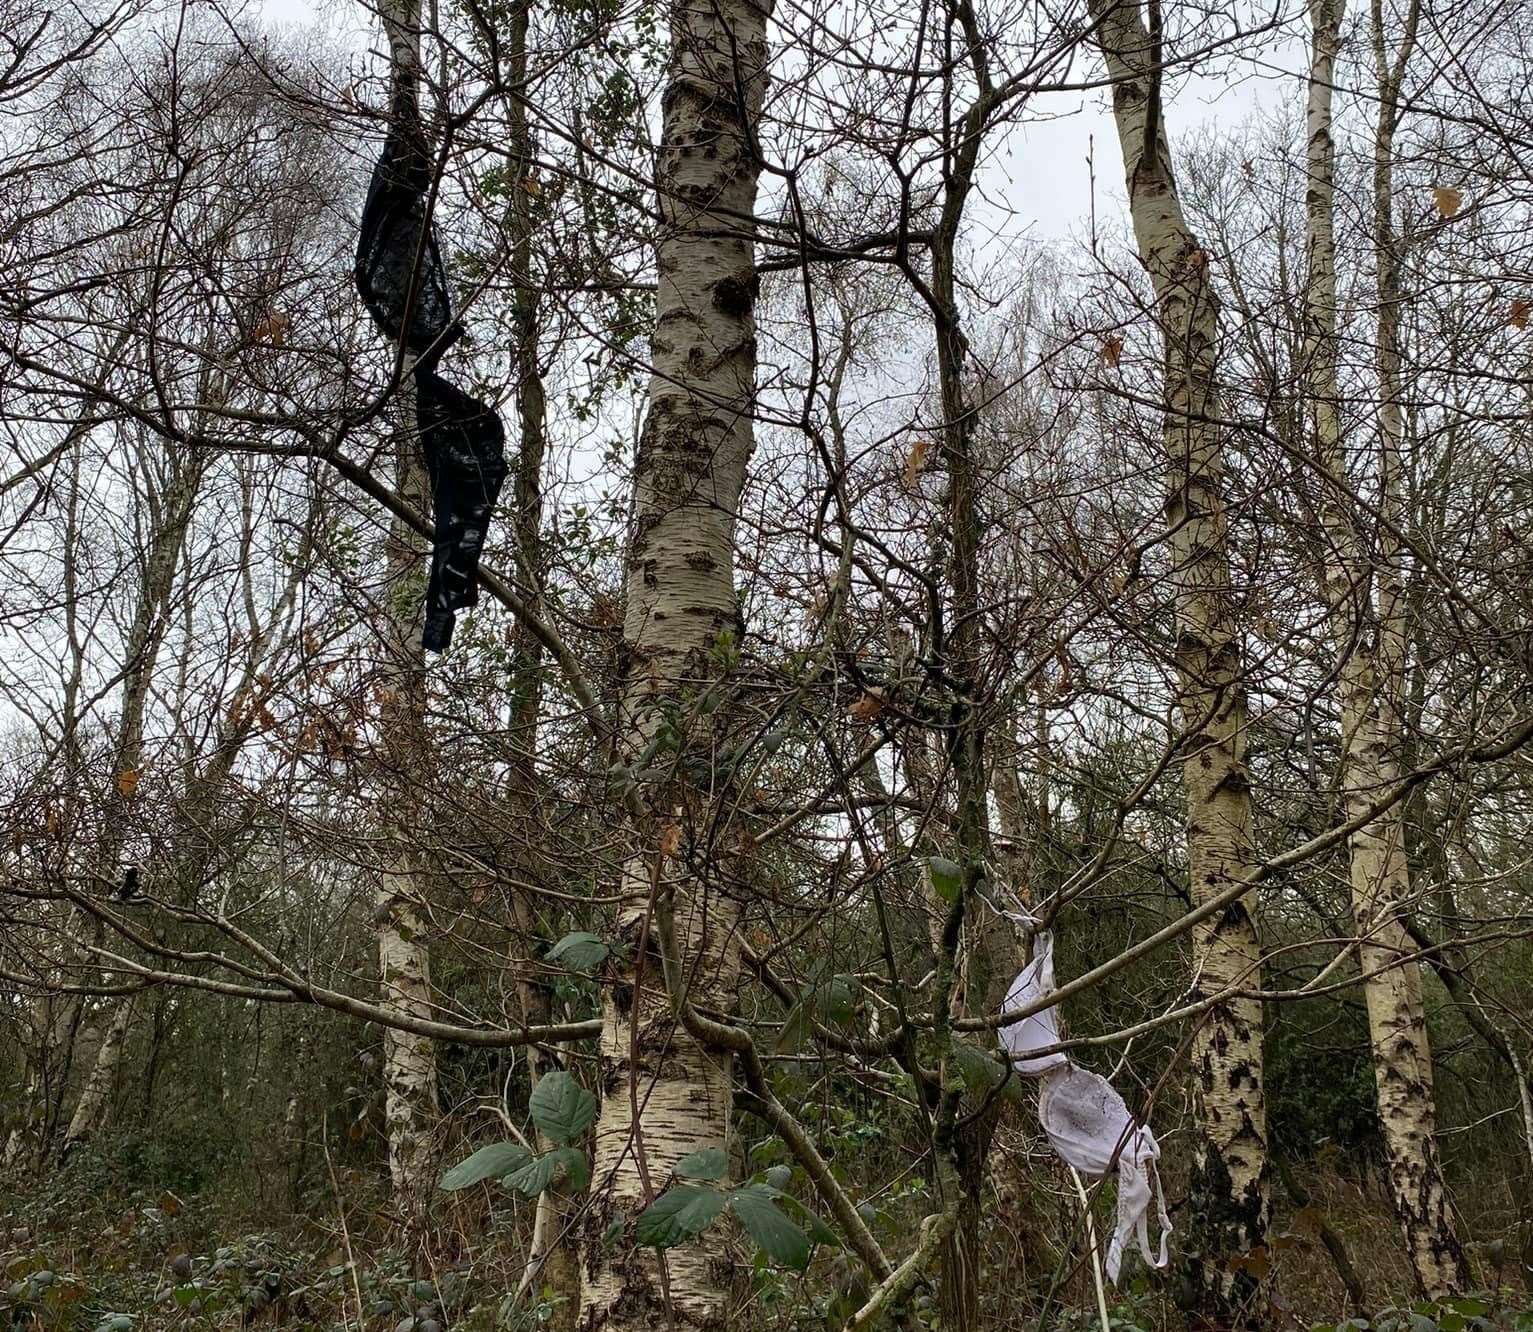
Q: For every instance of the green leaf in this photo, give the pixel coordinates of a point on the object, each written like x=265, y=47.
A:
x=947, y=877
x=709, y=1163
x=540, y=1171
x=766, y=1223
x=677, y=1215
x=499, y=1158
x=1468, y=1306
x=561, y=1108
x=795, y=1028
x=836, y=1000
x=819, y=1231
x=579, y=951
x=980, y=1073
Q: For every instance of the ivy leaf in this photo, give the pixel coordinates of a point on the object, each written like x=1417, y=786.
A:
x=499, y=1158
x=766, y=1223
x=677, y=1215
x=947, y=877
x=580, y=951
x=836, y=1000
x=561, y=1108
x=709, y=1163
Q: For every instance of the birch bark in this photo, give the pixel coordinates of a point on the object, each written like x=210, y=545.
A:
x=1229, y=1211
x=1369, y=643
x=168, y=515
x=402, y=909
x=404, y=959
x=663, y=1095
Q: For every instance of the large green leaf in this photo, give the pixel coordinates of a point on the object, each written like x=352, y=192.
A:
x=499, y=1158
x=540, y=1171
x=767, y=1224
x=709, y=1163
x=947, y=877
x=579, y=951
x=980, y=1073
x=833, y=1001
x=677, y=1215
x=561, y=1108
x=818, y=1230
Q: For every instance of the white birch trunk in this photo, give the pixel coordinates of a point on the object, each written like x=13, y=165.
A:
x=404, y=958
x=168, y=516
x=1370, y=654
x=663, y=1095
x=1229, y=1211
x=91, y=1110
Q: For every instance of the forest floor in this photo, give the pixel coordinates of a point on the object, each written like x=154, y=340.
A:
x=83, y=1253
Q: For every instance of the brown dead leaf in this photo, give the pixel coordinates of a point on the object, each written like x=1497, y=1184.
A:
x=273, y=329
x=1308, y=1218
x=1518, y=317
x=1256, y=1263
x=1448, y=200
x=915, y=460
x=867, y=707
x=169, y=1203
x=670, y=839
x=1112, y=350
x=127, y=781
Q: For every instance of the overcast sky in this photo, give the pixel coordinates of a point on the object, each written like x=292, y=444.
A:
x=1040, y=186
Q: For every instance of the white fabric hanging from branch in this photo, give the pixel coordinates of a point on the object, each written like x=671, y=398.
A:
x=1085, y=1119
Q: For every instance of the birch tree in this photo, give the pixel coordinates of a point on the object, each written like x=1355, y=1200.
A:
x=663, y=1094
x=403, y=909
x=1368, y=625
x=1230, y=1202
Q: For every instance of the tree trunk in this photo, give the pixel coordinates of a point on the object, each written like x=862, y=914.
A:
x=1229, y=1206
x=404, y=959
x=96, y=1098
x=402, y=911
x=990, y=954
x=551, y=1257
x=663, y=1095
x=1371, y=657
x=168, y=516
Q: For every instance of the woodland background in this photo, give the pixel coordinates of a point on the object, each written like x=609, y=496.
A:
x=870, y=572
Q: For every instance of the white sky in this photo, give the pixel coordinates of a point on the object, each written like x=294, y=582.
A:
x=1040, y=186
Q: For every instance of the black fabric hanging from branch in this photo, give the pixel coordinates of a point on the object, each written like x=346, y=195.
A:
x=403, y=282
